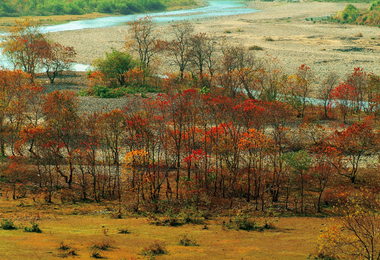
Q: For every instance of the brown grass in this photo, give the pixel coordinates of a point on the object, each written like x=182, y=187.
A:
x=81, y=224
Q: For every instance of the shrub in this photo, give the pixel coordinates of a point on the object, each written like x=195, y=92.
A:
x=124, y=230
x=7, y=224
x=104, y=244
x=66, y=250
x=227, y=31
x=95, y=253
x=35, y=227
x=255, y=48
x=115, y=65
x=105, y=92
x=242, y=222
x=185, y=241
x=154, y=249
x=269, y=39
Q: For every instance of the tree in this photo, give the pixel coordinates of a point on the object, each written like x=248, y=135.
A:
x=64, y=124
x=358, y=234
x=344, y=96
x=300, y=88
x=202, y=54
x=15, y=101
x=58, y=58
x=326, y=88
x=352, y=145
x=142, y=38
x=25, y=46
x=299, y=163
x=115, y=65
x=238, y=70
x=179, y=47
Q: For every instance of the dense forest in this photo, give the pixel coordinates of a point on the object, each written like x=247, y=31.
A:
x=15, y=8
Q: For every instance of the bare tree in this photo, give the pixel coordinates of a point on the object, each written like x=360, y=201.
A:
x=326, y=87
x=142, y=38
x=202, y=51
x=179, y=47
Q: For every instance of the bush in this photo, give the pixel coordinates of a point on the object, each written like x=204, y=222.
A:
x=66, y=250
x=185, y=241
x=35, y=227
x=255, y=48
x=104, y=244
x=124, y=230
x=154, y=249
x=7, y=224
x=115, y=65
x=242, y=222
x=105, y=92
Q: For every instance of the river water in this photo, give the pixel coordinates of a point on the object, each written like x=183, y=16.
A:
x=213, y=9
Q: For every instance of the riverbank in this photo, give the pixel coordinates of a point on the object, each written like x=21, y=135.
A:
x=284, y=30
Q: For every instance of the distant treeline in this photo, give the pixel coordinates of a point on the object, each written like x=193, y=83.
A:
x=15, y=8
x=352, y=15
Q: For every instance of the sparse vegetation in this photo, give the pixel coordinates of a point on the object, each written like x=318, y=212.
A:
x=186, y=241
x=7, y=224
x=34, y=228
x=65, y=250
x=255, y=48
x=155, y=249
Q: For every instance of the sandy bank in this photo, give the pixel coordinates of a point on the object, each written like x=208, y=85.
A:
x=323, y=46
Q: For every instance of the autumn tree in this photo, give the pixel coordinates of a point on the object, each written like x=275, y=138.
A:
x=15, y=105
x=238, y=68
x=359, y=81
x=352, y=145
x=344, y=96
x=57, y=59
x=257, y=147
x=357, y=236
x=202, y=51
x=62, y=120
x=300, y=88
x=25, y=46
x=326, y=88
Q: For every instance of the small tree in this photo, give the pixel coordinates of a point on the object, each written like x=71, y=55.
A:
x=58, y=58
x=25, y=46
x=142, y=38
x=115, y=65
x=358, y=235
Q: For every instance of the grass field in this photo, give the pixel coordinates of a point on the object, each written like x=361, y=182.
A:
x=81, y=226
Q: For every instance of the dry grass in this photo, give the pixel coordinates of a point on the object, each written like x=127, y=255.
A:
x=81, y=225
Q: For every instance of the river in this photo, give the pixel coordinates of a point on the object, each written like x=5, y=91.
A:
x=213, y=9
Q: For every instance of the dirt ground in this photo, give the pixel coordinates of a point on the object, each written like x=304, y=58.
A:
x=284, y=31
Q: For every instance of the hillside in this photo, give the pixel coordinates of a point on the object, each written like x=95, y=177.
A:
x=353, y=15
